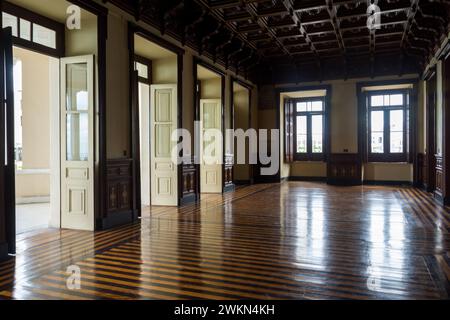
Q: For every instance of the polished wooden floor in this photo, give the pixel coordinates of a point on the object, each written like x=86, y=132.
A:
x=289, y=241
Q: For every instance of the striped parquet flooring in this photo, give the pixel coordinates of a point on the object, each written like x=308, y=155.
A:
x=282, y=241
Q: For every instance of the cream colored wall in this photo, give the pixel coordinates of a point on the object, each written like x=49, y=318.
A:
x=241, y=116
x=211, y=89
x=165, y=71
x=117, y=87
x=35, y=123
x=188, y=94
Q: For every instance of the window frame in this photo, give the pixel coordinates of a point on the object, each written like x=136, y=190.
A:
x=387, y=156
x=309, y=155
x=34, y=18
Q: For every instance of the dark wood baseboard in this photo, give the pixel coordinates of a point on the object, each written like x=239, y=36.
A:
x=308, y=179
x=242, y=182
x=4, y=252
x=117, y=219
x=344, y=182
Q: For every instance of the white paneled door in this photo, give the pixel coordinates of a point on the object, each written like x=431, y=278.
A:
x=211, y=146
x=77, y=143
x=163, y=122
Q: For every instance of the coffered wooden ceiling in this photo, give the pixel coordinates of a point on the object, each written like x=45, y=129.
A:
x=274, y=41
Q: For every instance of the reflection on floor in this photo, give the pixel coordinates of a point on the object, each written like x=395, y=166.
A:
x=290, y=241
x=30, y=217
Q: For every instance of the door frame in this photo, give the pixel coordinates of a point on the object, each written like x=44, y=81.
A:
x=430, y=129
x=134, y=29
x=249, y=87
x=8, y=198
x=199, y=62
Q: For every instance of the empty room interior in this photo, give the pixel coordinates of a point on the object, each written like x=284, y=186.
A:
x=225, y=149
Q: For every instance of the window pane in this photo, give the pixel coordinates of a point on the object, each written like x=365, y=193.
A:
x=302, y=134
x=301, y=107
x=77, y=87
x=10, y=21
x=396, y=100
x=396, y=125
x=142, y=70
x=44, y=36
x=396, y=142
x=317, y=106
x=77, y=137
x=25, y=29
x=377, y=134
x=376, y=101
x=396, y=119
x=386, y=100
x=301, y=143
x=377, y=121
x=317, y=134
x=377, y=142
x=301, y=125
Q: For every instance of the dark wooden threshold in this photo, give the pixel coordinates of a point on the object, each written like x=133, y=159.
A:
x=117, y=219
x=229, y=188
x=242, y=182
x=188, y=199
x=3, y=251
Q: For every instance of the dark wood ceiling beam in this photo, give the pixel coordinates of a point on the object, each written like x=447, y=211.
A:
x=332, y=11
x=289, y=5
x=411, y=18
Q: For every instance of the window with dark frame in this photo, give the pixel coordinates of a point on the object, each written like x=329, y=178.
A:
x=387, y=125
x=309, y=129
x=33, y=31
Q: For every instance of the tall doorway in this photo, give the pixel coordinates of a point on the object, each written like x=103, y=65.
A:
x=50, y=124
x=210, y=110
x=36, y=138
x=156, y=74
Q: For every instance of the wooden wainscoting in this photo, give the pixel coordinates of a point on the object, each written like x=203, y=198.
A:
x=422, y=171
x=119, y=193
x=344, y=169
x=439, y=177
x=189, y=182
x=228, y=173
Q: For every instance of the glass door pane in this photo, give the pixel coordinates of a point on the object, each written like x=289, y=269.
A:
x=317, y=133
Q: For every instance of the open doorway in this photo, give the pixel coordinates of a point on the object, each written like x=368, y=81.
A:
x=36, y=123
x=52, y=124
x=210, y=112
x=156, y=70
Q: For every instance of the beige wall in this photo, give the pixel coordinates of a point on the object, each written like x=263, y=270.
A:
x=117, y=87
x=35, y=123
x=211, y=89
x=241, y=117
x=165, y=71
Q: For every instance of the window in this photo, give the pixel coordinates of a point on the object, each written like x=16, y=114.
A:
x=33, y=31
x=387, y=126
x=309, y=128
